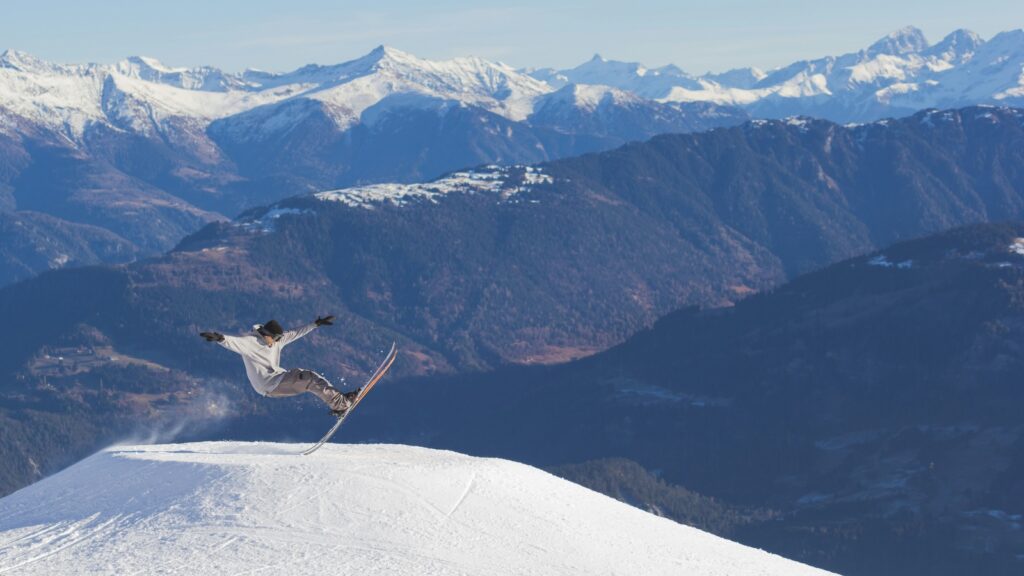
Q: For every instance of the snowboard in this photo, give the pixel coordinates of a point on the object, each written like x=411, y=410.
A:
x=377, y=375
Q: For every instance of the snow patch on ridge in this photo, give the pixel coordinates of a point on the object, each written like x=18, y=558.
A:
x=882, y=261
x=267, y=221
x=799, y=122
x=502, y=181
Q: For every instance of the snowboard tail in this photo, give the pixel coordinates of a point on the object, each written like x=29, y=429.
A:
x=377, y=375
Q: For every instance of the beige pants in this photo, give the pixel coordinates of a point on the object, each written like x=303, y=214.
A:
x=298, y=381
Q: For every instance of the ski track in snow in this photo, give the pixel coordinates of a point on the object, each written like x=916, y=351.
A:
x=465, y=493
x=233, y=509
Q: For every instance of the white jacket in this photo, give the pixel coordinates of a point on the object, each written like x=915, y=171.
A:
x=262, y=362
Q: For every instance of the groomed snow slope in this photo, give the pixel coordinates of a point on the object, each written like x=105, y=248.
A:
x=240, y=508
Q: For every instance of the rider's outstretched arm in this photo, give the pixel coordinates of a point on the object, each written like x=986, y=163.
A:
x=293, y=335
x=232, y=343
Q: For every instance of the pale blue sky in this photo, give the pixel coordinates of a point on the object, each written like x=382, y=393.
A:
x=277, y=36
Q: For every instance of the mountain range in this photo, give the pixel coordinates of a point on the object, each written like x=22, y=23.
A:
x=150, y=153
x=898, y=75
x=482, y=268
x=554, y=261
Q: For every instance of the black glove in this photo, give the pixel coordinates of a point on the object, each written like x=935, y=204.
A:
x=212, y=336
x=325, y=321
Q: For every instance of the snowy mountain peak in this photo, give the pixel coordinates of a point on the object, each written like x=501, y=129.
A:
x=152, y=64
x=385, y=54
x=141, y=93
x=230, y=507
x=379, y=52
x=898, y=74
x=600, y=66
x=204, y=78
x=387, y=77
x=23, y=61
x=1010, y=41
x=957, y=47
x=590, y=97
x=393, y=53
x=630, y=76
x=389, y=59
x=906, y=40
x=738, y=77
x=962, y=38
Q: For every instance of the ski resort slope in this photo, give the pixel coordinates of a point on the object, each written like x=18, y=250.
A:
x=229, y=508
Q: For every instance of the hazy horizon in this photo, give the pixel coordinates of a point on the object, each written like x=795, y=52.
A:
x=233, y=36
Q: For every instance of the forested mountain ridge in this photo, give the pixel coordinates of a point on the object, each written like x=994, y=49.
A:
x=863, y=418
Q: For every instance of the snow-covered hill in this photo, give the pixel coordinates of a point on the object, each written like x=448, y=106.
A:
x=228, y=508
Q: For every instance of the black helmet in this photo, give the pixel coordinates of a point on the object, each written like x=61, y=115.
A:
x=272, y=329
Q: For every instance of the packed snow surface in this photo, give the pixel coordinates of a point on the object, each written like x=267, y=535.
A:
x=245, y=508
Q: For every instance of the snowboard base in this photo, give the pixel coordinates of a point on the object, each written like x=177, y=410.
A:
x=377, y=375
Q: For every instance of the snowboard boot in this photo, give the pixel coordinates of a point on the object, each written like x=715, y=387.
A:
x=343, y=402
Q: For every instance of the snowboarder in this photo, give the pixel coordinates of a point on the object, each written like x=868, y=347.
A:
x=261, y=354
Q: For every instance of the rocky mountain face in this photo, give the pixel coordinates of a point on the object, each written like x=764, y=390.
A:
x=863, y=418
